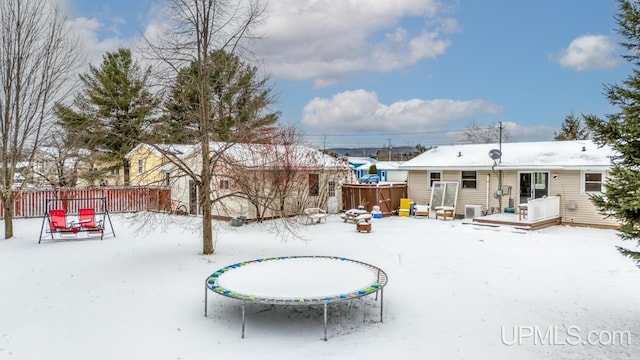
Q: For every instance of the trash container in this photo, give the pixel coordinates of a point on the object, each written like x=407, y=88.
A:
x=412, y=208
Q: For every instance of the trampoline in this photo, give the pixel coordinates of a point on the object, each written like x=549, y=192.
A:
x=297, y=280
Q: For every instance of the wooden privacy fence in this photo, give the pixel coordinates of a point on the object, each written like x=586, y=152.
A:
x=32, y=203
x=387, y=196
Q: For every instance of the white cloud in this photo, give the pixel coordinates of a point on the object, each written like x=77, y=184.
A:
x=531, y=133
x=325, y=40
x=588, y=52
x=360, y=110
x=89, y=32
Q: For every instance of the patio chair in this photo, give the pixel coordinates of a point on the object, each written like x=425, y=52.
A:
x=88, y=223
x=445, y=212
x=421, y=210
x=58, y=224
x=315, y=215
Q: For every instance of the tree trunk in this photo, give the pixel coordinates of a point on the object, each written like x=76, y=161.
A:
x=205, y=200
x=126, y=170
x=8, y=219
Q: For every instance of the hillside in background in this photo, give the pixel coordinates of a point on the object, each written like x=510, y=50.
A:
x=401, y=153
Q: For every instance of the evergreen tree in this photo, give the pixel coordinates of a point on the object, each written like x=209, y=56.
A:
x=621, y=130
x=239, y=99
x=110, y=112
x=572, y=129
x=179, y=121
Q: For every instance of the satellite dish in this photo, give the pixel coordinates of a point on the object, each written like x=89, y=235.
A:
x=495, y=154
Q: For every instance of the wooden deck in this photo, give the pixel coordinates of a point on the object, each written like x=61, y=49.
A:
x=515, y=221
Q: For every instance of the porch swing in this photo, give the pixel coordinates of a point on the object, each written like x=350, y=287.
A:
x=67, y=218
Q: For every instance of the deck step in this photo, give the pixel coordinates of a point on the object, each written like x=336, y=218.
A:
x=536, y=225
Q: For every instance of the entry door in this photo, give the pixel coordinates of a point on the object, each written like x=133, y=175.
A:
x=533, y=185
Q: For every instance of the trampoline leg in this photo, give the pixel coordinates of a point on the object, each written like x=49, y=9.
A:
x=381, y=302
x=243, y=306
x=205, y=300
x=378, y=280
x=325, y=321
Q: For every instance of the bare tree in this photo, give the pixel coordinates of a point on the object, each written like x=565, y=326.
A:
x=60, y=160
x=196, y=31
x=284, y=177
x=476, y=134
x=37, y=56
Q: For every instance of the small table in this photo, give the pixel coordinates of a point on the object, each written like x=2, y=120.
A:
x=522, y=210
x=355, y=215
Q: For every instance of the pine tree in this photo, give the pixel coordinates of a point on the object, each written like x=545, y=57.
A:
x=239, y=99
x=109, y=114
x=572, y=129
x=621, y=131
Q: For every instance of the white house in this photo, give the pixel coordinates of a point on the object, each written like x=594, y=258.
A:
x=495, y=177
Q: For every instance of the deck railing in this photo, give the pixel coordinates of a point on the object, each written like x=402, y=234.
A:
x=543, y=208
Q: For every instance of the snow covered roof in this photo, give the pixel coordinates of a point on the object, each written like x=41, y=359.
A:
x=54, y=153
x=179, y=150
x=578, y=154
x=360, y=160
x=275, y=155
x=253, y=155
x=383, y=165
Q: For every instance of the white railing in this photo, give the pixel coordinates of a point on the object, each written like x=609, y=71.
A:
x=543, y=208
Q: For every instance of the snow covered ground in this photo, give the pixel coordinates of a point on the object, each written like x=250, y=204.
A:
x=455, y=291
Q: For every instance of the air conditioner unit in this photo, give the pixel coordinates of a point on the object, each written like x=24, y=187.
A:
x=472, y=211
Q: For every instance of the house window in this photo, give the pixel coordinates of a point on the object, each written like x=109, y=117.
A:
x=469, y=179
x=115, y=171
x=224, y=184
x=332, y=188
x=167, y=178
x=433, y=177
x=314, y=184
x=140, y=166
x=592, y=182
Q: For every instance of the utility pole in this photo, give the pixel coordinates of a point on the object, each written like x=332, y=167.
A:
x=500, y=171
x=500, y=145
x=389, y=148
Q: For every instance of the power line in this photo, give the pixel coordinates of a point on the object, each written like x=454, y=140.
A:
x=399, y=133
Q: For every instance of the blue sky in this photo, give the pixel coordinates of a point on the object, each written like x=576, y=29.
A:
x=366, y=72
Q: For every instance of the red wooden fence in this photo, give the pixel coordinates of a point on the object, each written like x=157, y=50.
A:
x=32, y=203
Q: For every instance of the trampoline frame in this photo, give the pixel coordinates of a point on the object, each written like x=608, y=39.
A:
x=211, y=283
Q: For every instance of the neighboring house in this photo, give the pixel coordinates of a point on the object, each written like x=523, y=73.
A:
x=55, y=167
x=389, y=171
x=148, y=165
x=571, y=170
x=252, y=180
x=360, y=165
x=71, y=167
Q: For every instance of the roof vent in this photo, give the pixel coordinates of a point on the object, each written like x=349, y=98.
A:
x=584, y=148
x=459, y=153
